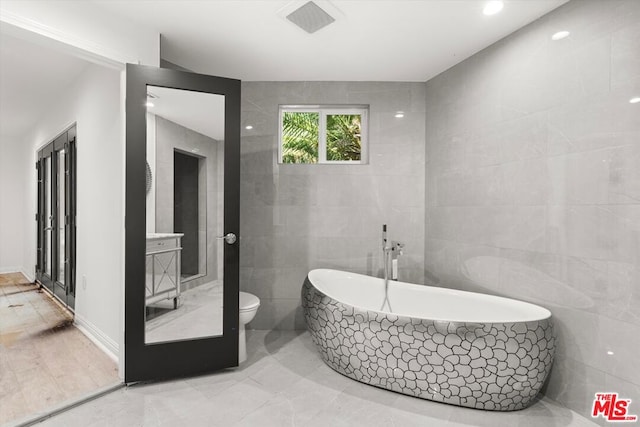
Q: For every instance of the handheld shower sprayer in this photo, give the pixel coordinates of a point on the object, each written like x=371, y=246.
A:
x=384, y=236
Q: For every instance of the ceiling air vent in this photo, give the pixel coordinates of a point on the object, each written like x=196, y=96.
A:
x=310, y=17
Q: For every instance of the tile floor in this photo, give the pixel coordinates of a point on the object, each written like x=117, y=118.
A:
x=198, y=315
x=44, y=359
x=284, y=383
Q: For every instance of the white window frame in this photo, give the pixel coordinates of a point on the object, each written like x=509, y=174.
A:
x=323, y=111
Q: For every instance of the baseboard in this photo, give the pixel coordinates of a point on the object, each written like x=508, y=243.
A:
x=106, y=344
x=29, y=277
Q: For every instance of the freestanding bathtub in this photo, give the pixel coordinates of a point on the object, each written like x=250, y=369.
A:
x=462, y=348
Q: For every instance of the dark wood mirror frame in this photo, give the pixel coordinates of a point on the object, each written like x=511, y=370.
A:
x=165, y=360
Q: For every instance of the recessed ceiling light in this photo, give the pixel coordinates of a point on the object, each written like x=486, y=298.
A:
x=493, y=7
x=248, y=127
x=560, y=35
x=634, y=100
x=399, y=115
x=610, y=353
x=149, y=104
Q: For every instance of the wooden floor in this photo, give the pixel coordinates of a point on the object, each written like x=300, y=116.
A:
x=44, y=360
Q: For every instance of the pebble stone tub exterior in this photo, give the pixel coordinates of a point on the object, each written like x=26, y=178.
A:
x=491, y=366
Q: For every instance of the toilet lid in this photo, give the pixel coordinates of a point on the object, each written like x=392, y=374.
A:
x=248, y=301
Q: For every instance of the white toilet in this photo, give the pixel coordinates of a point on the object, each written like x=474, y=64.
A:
x=249, y=304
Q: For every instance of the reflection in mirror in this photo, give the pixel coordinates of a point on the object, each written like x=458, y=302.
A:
x=185, y=152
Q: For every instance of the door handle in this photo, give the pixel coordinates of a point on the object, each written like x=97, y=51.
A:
x=229, y=238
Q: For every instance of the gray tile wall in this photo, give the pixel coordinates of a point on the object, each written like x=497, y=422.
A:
x=171, y=136
x=295, y=218
x=533, y=186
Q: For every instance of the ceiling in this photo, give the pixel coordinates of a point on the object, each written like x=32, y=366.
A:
x=201, y=112
x=32, y=78
x=381, y=40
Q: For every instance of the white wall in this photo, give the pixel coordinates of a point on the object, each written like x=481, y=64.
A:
x=151, y=160
x=13, y=218
x=96, y=102
x=93, y=102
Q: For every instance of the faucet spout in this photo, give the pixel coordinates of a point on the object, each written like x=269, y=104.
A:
x=390, y=254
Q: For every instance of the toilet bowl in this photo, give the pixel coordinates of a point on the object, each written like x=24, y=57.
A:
x=249, y=304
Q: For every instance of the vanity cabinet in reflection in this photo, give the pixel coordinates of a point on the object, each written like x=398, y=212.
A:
x=163, y=267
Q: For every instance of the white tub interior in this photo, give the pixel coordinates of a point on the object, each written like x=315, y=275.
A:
x=424, y=302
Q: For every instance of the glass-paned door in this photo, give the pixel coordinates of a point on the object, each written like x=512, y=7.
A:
x=55, y=267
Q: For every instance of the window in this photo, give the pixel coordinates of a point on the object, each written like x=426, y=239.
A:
x=323, y=134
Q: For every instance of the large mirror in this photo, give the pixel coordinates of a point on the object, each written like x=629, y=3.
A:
x=184, y=215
